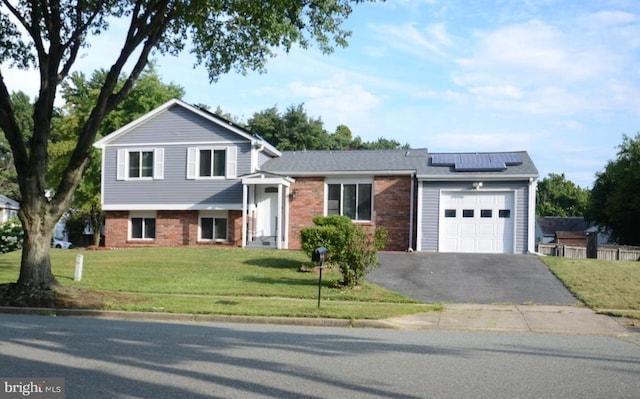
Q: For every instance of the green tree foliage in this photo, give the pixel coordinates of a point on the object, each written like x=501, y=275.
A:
x=615, y=198
x=294, y=130
x=49, y=36
x=80, y=94
x=349, y=246
x=557, y=196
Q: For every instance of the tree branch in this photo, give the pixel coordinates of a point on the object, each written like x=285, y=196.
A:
x=75, y=41
x=149, y=26
x=11, y=130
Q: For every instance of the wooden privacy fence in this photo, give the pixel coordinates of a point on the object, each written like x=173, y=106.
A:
x=580, y=252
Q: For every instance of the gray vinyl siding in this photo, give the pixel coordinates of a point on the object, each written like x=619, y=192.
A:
x=177, y=125
x=174, y=188
x=431, y=204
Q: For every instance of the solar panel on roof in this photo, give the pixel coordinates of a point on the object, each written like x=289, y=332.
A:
x=473, y=162
x=480, y=166
x=444, y=159
x=508, y=158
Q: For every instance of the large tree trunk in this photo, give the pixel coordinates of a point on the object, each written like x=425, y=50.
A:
x=36, y=282
x=35, y=266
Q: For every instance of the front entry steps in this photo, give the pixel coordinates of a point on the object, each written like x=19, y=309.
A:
x=267, y=242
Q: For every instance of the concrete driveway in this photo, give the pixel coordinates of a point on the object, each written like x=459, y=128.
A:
x=470, y=278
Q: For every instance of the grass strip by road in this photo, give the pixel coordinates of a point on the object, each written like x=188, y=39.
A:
x=212, y=280
x=611, y=287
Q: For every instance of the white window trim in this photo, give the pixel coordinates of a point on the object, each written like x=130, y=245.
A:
x=349, y=180
x=143, y=215
x=193, y=162
x=122, y=162
x=215, y=215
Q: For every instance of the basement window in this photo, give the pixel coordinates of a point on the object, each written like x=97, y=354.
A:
x=142, y=226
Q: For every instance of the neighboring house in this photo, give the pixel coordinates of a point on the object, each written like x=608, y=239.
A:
x=565, y=230
x=181, y=175
x=8, y=208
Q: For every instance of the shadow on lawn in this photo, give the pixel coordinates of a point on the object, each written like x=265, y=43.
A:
x=286, y=281
x=275, y=263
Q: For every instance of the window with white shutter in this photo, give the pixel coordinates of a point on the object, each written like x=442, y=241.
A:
x=211, y=163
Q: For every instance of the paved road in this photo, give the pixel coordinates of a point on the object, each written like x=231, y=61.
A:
x=470, y=278
x=127, y=359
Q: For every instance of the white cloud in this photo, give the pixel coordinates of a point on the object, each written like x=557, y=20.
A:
x=337, y=100
x=533, y=53
x=412, y=40
x=610, y=18
x=440, y=34
x=501, y=91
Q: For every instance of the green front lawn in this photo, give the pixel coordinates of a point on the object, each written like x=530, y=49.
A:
x=212, y=280
x=607, y=286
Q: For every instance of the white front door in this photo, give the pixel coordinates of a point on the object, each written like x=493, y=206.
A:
x=267, y=212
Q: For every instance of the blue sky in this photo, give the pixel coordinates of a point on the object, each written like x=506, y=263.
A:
x=559, y=79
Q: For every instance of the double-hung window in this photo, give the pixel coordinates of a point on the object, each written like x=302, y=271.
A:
x=211, y=162
x=143, y=164
x=140, y=164
x=213, y=226
x=142, y=226
x=352, y=199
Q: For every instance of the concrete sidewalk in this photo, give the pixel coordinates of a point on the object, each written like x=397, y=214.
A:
x=538, y=319
x=513, y=318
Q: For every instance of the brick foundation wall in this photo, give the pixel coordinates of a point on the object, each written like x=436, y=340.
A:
x=116, y=229
x=173, y=228
x=176, y=228
x=234, y=233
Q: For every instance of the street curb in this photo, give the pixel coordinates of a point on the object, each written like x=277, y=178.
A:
x=187, y=317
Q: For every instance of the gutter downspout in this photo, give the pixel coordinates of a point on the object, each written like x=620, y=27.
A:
x=411, y=213
x=533, y=186
x=259, y=150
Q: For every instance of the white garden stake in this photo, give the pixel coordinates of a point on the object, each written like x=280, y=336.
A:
x=78, y=274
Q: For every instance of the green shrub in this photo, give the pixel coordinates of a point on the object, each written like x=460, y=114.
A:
x=349, y=246
x=11, y=235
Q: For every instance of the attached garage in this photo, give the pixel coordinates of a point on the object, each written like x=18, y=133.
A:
x=477, y=203
x=480, y=222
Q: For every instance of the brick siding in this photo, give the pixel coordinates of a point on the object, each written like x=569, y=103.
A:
x=392, y=204
x=309, y=202
x=392, y=209
x=173, y=228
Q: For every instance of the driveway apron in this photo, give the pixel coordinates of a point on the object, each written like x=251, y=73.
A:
x=470, y=278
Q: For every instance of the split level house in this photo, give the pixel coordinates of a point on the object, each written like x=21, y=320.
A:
x=181, y=175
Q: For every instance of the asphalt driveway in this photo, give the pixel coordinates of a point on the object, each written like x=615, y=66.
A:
x=470, y=278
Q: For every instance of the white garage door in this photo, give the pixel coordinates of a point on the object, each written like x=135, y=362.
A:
x=476, y=222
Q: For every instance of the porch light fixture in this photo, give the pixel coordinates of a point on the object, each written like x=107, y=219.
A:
x=295, y=194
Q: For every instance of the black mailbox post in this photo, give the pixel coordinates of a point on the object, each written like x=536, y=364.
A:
x=319, y=255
